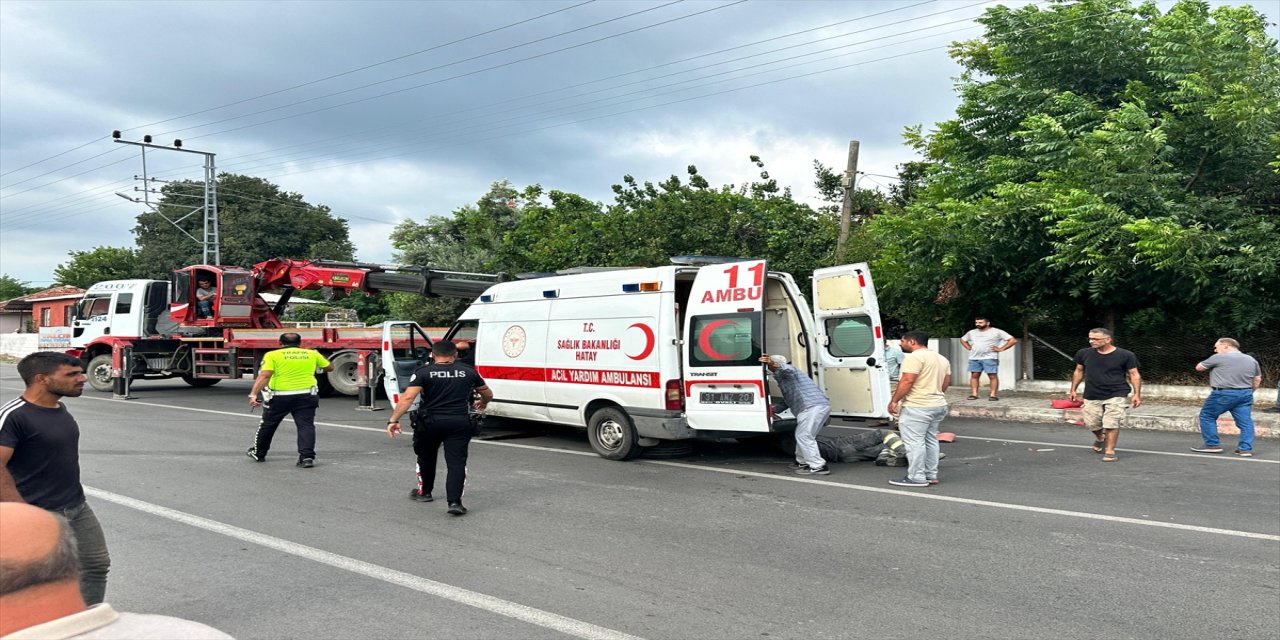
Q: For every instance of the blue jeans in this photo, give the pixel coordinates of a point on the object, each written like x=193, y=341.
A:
x=918, y=427
x=1240, y=403
x=91, y=545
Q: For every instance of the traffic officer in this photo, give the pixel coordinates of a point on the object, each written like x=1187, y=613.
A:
x=288, y=376
x=446, y=387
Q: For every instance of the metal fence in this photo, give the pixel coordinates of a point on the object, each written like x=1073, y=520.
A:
x=1163, y=359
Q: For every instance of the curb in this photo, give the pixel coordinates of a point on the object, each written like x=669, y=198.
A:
x=1265, y=426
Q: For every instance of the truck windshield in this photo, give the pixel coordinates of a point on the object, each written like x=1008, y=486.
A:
x=93, y=305
x=725, y=339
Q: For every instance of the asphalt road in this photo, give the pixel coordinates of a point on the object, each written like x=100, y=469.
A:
x=1028, y=536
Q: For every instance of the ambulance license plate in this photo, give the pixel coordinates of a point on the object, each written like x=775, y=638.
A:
x=727, y=398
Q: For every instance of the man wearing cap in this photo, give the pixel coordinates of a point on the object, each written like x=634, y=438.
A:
x=1233, y=376
x=812, y=408
x=288, y=375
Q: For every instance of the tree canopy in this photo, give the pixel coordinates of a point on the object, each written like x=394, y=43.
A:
x=535, y=230
x=257, y=220
x=11, y=287
x=1108, y=164
x=101, y=263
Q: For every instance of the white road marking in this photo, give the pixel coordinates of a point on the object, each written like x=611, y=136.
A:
x=770, y=476
x=546, y=619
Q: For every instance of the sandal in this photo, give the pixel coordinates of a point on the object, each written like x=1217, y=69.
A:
x=972, y=398
x=1099, y=446
x=993, y=398
x=1109, y=457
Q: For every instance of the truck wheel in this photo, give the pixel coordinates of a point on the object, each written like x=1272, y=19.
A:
x=200, y=383
x=99, y=372
x=344, y=375
x=612, y=435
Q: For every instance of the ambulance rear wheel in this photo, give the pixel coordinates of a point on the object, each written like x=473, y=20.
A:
x=99, y=372
x=612, y=434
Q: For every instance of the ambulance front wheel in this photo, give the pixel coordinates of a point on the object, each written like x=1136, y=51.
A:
x=612, y=434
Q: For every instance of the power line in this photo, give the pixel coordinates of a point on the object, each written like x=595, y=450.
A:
x=442, y=80
x=400, y=134
x=490, y=124
x=397, y=126
x=745, y=57
x=306, y=84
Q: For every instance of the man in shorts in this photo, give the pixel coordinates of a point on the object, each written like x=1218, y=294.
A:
x=983, y=343
x=1108, y=373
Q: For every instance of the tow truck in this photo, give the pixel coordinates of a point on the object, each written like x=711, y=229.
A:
x=169, y=335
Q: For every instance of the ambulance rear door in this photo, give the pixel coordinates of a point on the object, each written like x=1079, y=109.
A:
x=850, y=349
x=724, y=383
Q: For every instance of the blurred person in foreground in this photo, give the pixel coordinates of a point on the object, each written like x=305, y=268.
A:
x=40, y=588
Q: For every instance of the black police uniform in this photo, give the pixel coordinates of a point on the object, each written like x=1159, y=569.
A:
x=442, y=418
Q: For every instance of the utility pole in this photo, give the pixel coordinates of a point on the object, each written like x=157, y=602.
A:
x=211, y=244
x=846, y=209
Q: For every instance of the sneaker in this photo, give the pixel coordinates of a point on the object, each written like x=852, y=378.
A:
x=456, y=509
x=254, y=455
x=796, y=466
x=414, y=494
x=306, y=463
x=1207, y=449
x=932, y=481
x=810, y=471
x=1243, y=454
x=908, y=482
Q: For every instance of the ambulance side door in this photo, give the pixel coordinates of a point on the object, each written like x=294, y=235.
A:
x=850, y=349
x=405, y=347
x=724, y=384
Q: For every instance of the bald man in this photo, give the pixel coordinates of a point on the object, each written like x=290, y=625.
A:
x=40, y=588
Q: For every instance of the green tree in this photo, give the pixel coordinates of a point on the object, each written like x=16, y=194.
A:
x=1106, y=160
x=258, y=221
x=101, y=263
x=470, y=239
x=11, y=287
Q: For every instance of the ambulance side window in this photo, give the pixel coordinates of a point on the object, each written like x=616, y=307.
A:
x=725, y=339
x=851, y=337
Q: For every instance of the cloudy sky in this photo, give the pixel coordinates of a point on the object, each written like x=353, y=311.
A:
x=391, y=110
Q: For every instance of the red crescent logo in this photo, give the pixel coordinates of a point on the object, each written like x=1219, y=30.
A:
x=649, y=341
x=704, y=340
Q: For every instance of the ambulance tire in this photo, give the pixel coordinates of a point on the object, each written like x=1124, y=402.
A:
x=99, y=373
x=612, y=434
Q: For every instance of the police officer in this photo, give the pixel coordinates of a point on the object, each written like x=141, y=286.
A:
x=289, y=375
x=446, y=387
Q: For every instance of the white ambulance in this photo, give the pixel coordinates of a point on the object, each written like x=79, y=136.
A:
x=644, y=355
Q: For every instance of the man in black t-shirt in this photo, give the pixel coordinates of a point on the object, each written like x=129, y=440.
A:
x=40, y=458
x=1108, y=372
x=442, y=417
